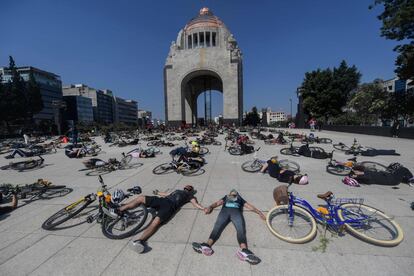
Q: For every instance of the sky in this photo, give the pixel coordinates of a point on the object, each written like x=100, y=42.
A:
x=122, y=45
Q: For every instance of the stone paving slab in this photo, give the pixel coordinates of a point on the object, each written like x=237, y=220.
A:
x=80, y=248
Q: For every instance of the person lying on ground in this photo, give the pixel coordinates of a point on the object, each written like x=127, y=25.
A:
x=394, y=175
x=232, y=210
x=73, y=152
x=376, y=152
x=166, y=205
x=13, y=205
x=304, y=150
x=272, y=166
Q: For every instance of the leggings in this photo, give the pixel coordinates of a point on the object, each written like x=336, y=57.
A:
x=225, y=216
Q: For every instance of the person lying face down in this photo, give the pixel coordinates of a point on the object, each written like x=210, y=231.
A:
x=274, y=169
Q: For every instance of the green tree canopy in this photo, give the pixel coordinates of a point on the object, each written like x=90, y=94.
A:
x=326, y=92
x=252, y=118
x=398, y=24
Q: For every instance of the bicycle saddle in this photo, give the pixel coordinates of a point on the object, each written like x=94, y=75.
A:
x=352, y=159
x=325, y=196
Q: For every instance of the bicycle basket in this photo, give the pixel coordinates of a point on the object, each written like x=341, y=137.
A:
x=340, y=201
x=280, y=195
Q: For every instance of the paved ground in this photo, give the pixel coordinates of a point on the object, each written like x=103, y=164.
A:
x=26, y=249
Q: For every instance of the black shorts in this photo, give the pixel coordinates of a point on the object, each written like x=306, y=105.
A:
x=164, y=207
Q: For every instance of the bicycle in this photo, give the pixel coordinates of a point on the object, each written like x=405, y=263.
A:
x=185, y=167
x=295, y=222
x=113, y=226
x=112, y=165
x=25, y=165
x=256, y=164
x=344, y=168
x=293, y=150
x=39, y=190
x=354, y=149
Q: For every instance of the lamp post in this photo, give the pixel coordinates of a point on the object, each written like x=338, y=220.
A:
x=291, y=118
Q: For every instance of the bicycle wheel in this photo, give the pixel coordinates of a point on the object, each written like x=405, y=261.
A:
x=286, y=151
x=24, y=165
x=300, y=230
x=338, y=169
x=125, y=160
x=341, y=147
x=289, y=165
x=235, y=151
x=251, y=166
x=53, y=193
x=371, y=224
x=373, y=166
x=66, y=213
x=191, y=168
x=325, y=140
x=163, y=169
x=204, y=150
x=126, y=225
x=101, y=170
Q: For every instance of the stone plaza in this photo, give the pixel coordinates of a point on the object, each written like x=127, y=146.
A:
x=81, y=249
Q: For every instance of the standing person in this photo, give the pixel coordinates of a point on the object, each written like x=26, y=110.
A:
x=232, y=210
x=26, y=139
x=312, y=124
x=394, y=129
x=397, y=129
x=166, y=205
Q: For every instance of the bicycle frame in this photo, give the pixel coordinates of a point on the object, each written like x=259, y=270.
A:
x=331, y=220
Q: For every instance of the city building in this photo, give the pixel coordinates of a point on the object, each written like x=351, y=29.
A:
x=126, y=111
x=144, y=117
x=78, y=109
x=50, y=88
x=270, y=117
x=102, y=101
x=397, y=85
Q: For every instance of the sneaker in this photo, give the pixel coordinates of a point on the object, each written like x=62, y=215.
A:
x=138, y=246
x=248, y=256
x=202, y=248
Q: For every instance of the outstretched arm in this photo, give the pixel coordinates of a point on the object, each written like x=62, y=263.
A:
x=195, y=203
x=210, y=208
x=254, y=209
x=161, y=194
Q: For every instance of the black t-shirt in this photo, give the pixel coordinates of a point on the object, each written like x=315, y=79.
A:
x=179, y=198
x=237, y=203
x=273, y=169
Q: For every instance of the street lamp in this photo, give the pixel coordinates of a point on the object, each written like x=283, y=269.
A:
x=291, y=117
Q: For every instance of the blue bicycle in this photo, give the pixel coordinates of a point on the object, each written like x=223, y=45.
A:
x=295, y=222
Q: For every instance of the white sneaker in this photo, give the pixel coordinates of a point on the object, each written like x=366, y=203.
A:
x=138, y=246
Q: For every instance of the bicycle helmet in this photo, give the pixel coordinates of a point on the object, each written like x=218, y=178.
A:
x=350, y=181
x=117, y=196
x=304, y=180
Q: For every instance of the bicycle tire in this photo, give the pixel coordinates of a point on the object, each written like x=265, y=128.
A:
x=338, y=169
x=289, y=165
x=108, y=224
x=325, y=141
x=396, y=239
x=251, y=166
x=275, y=211
x=341, y=147
x=24, y=165
x=126, y=160
x=286, y=151
x=53, y=193
x=193, y=168
x=235, y=151
x=54, y=221
x=163, y=169
x=373, y=166
x=204, y=150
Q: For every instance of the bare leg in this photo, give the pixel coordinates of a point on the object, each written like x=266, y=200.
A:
x=150, y=230
x=264, y=168
x=133, y=203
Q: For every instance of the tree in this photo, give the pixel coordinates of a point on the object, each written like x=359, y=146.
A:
x=362, y=102
x=252, y=118
x=326, y=92
x=398, y=24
